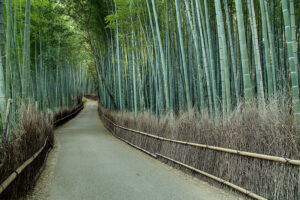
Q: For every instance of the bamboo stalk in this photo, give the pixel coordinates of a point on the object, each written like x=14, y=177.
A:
x=240, y=189
x=227, y=150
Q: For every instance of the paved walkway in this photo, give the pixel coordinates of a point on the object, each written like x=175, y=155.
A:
x=89, y=163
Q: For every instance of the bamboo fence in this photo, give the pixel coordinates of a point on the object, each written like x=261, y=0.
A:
x=240, y=189
x=18, y=171
x=227, y=150
x=15, y=174
x=232, y=151
x=57, y=122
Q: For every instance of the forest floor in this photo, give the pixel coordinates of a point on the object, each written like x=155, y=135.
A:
x=89, y=163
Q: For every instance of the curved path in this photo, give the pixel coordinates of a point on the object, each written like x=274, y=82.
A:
x=89, y=163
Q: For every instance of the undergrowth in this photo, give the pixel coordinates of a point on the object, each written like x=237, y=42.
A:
x=59, y=114
x=29, y=136
x=247, y=128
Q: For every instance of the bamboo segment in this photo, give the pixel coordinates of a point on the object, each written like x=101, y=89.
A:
x=242, y=190
x=232, y=151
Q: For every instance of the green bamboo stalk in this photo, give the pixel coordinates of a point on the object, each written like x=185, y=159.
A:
x=232, y=53
x=162, y=59
x=259, y=78
x=119, y=70
x=272, y=48
x=205, y=59
x=226, y=96
x=266, y=50
x=293, y=32
x=292, y=66
x=211, y=57
x=2, y=41
x=244, y=55
x=134, y=76
x=8, y=49
x=183, y=56
x=26, y=55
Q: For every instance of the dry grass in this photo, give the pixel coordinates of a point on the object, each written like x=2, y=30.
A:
x=30, y=136
x=65, y=112
x=246, y=129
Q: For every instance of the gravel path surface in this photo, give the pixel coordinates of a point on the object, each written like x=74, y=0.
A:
x=89, y=163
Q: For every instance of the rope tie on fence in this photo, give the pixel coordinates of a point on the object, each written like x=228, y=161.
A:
x=287, y=160
x=16, y=172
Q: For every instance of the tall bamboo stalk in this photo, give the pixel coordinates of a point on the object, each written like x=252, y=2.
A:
x=244, y=55
x=26, y=54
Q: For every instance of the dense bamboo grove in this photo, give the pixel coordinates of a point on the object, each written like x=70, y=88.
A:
x=158, y=55
x=217, y=72
x=168, y=56
x=42, y=60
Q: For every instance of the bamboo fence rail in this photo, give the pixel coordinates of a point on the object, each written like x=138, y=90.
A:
x=240, y=189
x=133, y=145
x=227, y=150
x=15, y=174
x=232, y=151
x=18, y=171
x=66, y=117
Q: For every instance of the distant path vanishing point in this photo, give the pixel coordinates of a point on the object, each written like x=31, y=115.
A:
x=89, y=163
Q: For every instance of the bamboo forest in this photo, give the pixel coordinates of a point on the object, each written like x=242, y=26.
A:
x=208, y=87
x=198, y=54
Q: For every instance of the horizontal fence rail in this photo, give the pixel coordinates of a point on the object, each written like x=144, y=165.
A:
x=238, y=188
x=66, y=117
x=231, y=151
x=15, y=174
x=18, y=171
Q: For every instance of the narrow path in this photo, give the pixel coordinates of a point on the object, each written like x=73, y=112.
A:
x=89, y=163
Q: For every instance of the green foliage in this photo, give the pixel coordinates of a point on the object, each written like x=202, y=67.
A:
x=47, y=56
x=127, y=15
